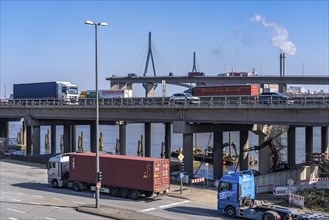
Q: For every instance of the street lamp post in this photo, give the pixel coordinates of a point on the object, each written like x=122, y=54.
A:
x=97, y=175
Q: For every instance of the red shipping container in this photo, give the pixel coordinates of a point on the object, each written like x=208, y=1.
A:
x=226, y=90
x=141, y=173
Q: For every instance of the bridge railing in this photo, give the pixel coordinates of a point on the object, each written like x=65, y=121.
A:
x=164, y=101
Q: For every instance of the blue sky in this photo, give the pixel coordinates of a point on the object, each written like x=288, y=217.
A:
x=48, y=40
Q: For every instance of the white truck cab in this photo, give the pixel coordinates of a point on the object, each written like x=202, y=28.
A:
x=58, y=170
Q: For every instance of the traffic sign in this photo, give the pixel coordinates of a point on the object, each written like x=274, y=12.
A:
x=98, y=185
x=181, y=175
x=180, y=157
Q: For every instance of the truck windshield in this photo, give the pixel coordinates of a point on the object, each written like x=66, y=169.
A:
x=72, y=90
x=51, y=165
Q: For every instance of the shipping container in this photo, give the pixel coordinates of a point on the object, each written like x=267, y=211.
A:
x=234, y=90
x=192, y=74
x=140, y=173
x=109, y=93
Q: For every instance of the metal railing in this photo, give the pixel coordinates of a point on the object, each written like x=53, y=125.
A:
x=165, y=101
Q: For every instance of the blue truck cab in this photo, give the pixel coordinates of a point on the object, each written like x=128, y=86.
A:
x=236, y=198
x=235, y=190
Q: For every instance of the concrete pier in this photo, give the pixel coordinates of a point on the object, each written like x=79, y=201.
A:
x=53, y=139
x=324, y=140
x=264, y=156
x=188, y=153
x=4, y=129
x=243, y=157
x=122, y=138
x=147, y=134
x=93, y=141
x=167, y=140
x=28, y=140
x=36, y=140
x=292, y=147
x=309, y=143
x=218, y=154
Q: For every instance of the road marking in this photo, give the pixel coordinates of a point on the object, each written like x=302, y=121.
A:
x=12, y=218
x=21, y=193
x=37, y=196
x=50, y=218
x=14, y=210
x=34, y=203
x=15, y=200
x=56, y=199
x=78, y=202
x=146, y=210
x=173, y=204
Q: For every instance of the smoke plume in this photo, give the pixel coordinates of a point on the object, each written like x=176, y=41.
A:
x=280, y=36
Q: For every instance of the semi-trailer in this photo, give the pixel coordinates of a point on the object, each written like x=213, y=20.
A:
x=124, y=176
x=106, y=93
x=228, y=90
x=64, y=91
x=236, y=198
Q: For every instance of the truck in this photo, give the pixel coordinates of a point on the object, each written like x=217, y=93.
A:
x=107, y=93
x=236, y=198
x=122, y=176
x=227, y=90
x=59, y=90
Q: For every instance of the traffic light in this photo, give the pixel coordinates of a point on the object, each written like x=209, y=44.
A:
x=182, y=167
x=100, y=176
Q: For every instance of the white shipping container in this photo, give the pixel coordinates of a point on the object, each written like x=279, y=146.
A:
x=115, y=93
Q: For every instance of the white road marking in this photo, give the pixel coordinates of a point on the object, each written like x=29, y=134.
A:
x=15, y=200
x=14, y=210
x=12, y=218
x=146, y=210
x=37, y=196
x=34, y=203
x=21, y=193
x=173, y=204
x=56, y=199
x=50, y=218
x=78, y=202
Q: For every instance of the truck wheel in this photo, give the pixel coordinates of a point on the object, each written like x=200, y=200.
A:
x=55, y=183
x=114, y=191
x=148, y=194
x=134, y=194
x=271, y=215
x=230, y=212
x=124, y=193
x=76, y=187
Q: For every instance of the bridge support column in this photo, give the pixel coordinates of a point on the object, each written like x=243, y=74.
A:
x=4, y=129
x=243, y=157
x=36, y=140
x=28, y=140
x=147, y=134
x=53, y=139
x=73, y=138
x=67, y=138
x=264, y=156
x=188, y=153
x=122, y=138
x=292, y=147
x=167, y=140
x=93, y=141
x=218, y=154
x=149, y=90
x=324, y=140
x=309, y=143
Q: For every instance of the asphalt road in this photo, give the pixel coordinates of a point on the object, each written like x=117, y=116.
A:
x=25, y=194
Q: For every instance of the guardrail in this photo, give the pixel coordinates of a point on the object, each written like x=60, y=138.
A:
x=204, y=101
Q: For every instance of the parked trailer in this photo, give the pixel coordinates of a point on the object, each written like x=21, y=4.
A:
x=234, y=90
x=125, y=176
